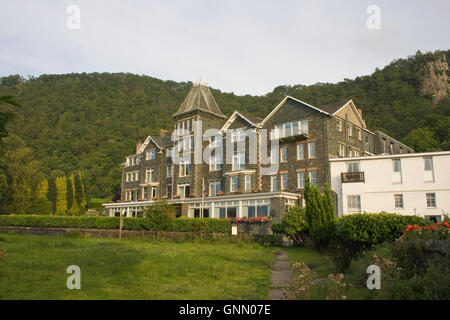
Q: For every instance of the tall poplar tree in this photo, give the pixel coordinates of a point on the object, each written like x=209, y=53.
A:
x=74, y=208
x=61, y=195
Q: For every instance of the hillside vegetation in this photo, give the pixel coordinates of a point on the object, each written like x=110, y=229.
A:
x=89, y=122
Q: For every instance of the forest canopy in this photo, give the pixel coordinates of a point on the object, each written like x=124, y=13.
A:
x=89, y=122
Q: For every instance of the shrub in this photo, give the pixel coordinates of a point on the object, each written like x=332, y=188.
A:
x=409, y=270
x=270, y=240
x=301, y=282
x=277, y=228
x=365, y=230
x=294, y=225
x=179, y=224
x=160, y=215
x=358, y=232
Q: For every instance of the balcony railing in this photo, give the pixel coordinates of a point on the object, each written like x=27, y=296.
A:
x=347, y=177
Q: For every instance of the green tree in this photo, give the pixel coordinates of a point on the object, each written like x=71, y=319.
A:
x=294, y=225
x=21, y=171
x=74, y=208
x=83, y=202
x=422, y=140
x=5, y=116
x=61, y=195
x=160, y=215
x=40, y=204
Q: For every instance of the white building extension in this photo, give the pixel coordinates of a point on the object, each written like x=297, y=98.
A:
x=410, y=184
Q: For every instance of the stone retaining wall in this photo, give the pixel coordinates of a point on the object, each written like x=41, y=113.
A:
x=111, y=233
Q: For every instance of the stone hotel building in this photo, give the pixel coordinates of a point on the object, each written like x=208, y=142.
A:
x=240, y=183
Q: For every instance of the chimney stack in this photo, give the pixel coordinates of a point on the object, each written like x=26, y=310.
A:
x=360, y=112
x=138, y=146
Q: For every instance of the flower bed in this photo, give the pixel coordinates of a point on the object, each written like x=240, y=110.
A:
x=251, y=220
x=439, y=231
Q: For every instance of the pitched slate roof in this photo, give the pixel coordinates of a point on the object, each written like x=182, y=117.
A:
x=164, y=139
x=333, y=107
x=254, y=119
x=199, y=98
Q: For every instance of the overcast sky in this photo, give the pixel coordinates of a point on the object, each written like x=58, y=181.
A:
x=245, y=47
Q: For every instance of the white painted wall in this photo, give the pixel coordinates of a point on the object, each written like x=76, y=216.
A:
x=382, y=183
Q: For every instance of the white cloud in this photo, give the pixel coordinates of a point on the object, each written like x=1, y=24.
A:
x=240, y=46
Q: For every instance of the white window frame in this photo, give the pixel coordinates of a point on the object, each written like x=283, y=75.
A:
x=240, y=163
x=399, y=201
x=339, y=125
x=431, y=199
x=213, y=187
x=313, y=181
x=300, y=146
x=273, y=183
x=312, y=143
x=232, y=185
x=184, y=168
x=283, y=154
x=215, y=163
x=354, y=203
x=341, y=150
x=283, y=181
x=248, y=182
x=150, y=155
x=300, y=182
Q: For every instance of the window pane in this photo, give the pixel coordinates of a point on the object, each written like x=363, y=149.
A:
x=263, y=211
x=231, y=212
x=300, y=151
x=288, y=129
x=312, y=149
x=295, y=127
x=301, y=179
x=428, y=164
x=251, y=212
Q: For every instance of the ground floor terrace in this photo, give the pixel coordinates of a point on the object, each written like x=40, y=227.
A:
x=272, y=204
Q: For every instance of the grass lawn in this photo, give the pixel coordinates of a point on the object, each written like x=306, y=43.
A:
x=34, y=267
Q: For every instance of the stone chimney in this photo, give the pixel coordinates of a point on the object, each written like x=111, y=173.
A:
x=138, y=146
x=360, y=112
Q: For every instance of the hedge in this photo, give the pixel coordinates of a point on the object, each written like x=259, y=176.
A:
x=179, y=224
x=368, y=229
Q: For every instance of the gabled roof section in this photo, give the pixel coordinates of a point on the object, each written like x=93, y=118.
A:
x=199, y=98
x=278, y=107
x=251, y=119
x=164, y=140
x=332, y=108
x=343, y=105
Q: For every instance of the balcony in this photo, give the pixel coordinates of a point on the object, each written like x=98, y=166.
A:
x=348, y=177
x=301, y=135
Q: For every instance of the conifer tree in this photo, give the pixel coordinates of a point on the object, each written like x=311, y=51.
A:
x=42, y=189
x=328, y=204
x=40, y=203
x=61, y=195
x=83, y=203
x=69, y=194
x=51, y=195
x=74, y=208
x=78, y=189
